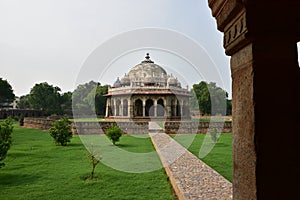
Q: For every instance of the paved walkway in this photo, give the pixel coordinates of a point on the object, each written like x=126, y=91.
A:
x=154, y=127
x=190, y=177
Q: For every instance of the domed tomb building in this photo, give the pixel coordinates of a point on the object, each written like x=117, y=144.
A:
x=147, y=91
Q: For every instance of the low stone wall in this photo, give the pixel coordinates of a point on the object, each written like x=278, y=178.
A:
x=170, y=127
x=38, y=123
x=101, y=127
x=4, y=113
x=186, y=127
x=89, y=127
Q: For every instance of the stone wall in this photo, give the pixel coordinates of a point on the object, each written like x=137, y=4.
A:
x=170, y=127
x=185, y=127
x=38, y=123
x=93, y=127
x=4, y=113
x=89, y=127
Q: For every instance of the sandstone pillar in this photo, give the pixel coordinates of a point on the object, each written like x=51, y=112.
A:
x=260, y=37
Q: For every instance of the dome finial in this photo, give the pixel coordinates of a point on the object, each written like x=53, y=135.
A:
x=147, y=56
x=147, y=60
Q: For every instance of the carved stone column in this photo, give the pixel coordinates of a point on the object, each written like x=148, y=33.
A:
x=155, y=107
x=144, y=107
x=260, y=37
x=107, y=107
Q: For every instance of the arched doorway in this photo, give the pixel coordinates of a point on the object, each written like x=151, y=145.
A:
x=149, y=108
x=173, y=107
x=125, y=107
x=112, y=108
x=160, y=108
x=118, y=107
x=178, y=112
x=138, y=108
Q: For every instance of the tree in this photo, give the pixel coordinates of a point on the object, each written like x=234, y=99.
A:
x=211, y=98
x=94, y=160
x=88, y=98
x=80, y=97
x=24, y=102
x=66, y=102
x=61, y=131
x=114, y=133
x=203, y=97
x=6, y=93
x=6, y=129
x=96, y=100
x=45, y=97
x=229, y=107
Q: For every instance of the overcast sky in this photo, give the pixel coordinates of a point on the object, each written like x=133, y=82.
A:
x=50, y=40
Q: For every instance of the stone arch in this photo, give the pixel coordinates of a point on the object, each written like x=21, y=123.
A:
x=118, y=107
x=160, y=108
x=178, y=109
x=173, y=108
x=112, y=108
x=125, y=107
x=138, y=107
x=149, y=108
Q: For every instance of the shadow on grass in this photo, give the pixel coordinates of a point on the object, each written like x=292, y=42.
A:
x=125, y=145
x=74, y=144
x=17, y=179
x=87, y=178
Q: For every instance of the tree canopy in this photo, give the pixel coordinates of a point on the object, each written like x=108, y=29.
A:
x=6, y=93
x=88, y=98
x=47, y=98
x=209, y=98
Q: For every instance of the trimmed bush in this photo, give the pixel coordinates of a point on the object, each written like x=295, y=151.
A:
x=61, y=131
x=6, y=129
x=114, y=133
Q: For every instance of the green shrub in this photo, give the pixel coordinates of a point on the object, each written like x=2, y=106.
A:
x=114, y=133
x=61, y=131
x=6, y=129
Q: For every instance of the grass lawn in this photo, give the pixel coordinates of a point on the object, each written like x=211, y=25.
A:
x=220, y=158
x=38, y=169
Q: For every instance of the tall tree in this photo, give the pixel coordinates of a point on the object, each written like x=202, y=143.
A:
x=7, y=95
x=211, y=98
x=80, y=99
x=96, y=100
x=66, y=102
x=45, y=97
x=24, y=102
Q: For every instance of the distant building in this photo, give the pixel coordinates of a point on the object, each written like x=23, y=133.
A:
x=147, y=92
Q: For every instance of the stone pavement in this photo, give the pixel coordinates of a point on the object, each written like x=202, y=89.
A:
x=154, y=127
x=190, y=177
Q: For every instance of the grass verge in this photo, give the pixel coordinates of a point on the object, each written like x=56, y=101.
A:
x=38, y=169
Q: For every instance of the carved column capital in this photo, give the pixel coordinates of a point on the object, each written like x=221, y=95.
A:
x=231, y=19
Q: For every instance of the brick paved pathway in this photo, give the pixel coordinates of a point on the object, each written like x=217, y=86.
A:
x=190, y=177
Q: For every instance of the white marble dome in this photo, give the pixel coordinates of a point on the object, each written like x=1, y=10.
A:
x=147, y=73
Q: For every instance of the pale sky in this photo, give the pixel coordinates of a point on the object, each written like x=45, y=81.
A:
x=51, y=40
